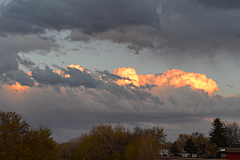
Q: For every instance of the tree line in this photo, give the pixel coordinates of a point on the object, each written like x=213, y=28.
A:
x=106, y=142
x=222, y=134
x=20, y=142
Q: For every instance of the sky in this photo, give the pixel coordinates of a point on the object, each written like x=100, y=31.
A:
x=72, y=64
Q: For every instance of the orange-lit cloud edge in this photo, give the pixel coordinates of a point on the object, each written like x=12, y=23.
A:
x=208, y=120
x=174, y=77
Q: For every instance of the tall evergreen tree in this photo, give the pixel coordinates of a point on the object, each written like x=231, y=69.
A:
x=218, y=133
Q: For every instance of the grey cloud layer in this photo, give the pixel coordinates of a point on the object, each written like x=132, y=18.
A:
x=77, y=78
x=188, y=29
x=195, y=28
x=10, y=60
x=82, y=78
x=20, y=76
x=91, y=16
x=225, y=4
x=80, y=108
x=9, y=68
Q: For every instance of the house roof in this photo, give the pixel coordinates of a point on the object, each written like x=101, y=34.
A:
x=226, y=150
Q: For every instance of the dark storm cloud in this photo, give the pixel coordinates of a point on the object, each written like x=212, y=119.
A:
x=106, y=76
x=225, y=4
x=77, y=78
x=9, y=68
x=25, y=62
x=20, y=76
x=187, y=30
x=27, y=43
x=129, y=93
x=135, y=37
x=191, y=30
x=91, y=16
x=46, y=76
x=109, y=76
x=11, y=46
x=8, y=60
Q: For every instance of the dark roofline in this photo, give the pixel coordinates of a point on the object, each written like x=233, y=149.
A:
x=226, y=150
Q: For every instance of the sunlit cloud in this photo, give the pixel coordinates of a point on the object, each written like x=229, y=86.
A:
x=175, y=77
x=79, y=67
x=16, y=88
x=208, y=119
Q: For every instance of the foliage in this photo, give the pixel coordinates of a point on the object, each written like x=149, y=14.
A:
x=213, y=148
x=103, y=141
x=201, y=142
x=181, y=141
x=13, y=131
x=218, y=133
x=118, y=143
x=18, y=141
x=143, y=147
x=174, y=149
x=69, y=148
x=168, y=145
x=190, y=147
x=44, y=141
x=116, y=156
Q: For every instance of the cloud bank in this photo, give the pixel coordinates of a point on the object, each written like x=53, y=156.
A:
x=73, y=98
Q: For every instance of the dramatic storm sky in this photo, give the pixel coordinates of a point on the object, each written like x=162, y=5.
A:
x=71, y=64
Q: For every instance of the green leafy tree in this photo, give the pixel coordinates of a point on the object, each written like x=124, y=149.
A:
x=181, y=141
x=69, y=148
x=47, y=147
x=213, y=148
x=142, y=147
x=190, y=147
x=103, y=141
x=117, y=143
x=116, y=156
x=12, y=134
x=201, y=142
x=168, y=145
x=218, y=133
x=174, y=149
x=19, y=142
